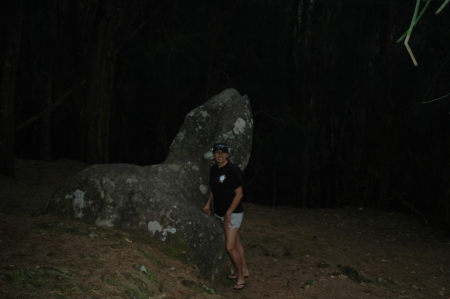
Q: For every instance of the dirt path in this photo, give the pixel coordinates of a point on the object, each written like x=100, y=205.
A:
x=292, y=253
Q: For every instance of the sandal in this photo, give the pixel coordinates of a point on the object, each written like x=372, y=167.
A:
x=234, y=276
x=239, y=286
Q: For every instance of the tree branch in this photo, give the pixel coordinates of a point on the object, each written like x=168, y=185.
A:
x=62, y=100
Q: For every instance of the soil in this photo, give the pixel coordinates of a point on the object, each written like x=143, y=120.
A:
x=291, y=253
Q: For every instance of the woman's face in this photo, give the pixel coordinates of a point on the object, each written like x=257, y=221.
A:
x=220, y=156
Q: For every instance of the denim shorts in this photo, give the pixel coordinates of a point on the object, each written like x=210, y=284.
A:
x=236, y=219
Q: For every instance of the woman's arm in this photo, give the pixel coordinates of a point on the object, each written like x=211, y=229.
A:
x=236, y=200
x=207, y=207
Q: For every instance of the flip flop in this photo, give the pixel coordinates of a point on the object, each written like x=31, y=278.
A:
x=234, y=276
x=237, y=286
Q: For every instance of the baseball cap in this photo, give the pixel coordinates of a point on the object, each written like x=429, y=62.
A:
x=220, y=147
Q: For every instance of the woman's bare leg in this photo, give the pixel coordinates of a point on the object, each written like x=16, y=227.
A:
x=231, y=236
x=240, y=249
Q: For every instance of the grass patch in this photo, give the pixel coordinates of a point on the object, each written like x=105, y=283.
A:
x=57, y=280
x=138, y=289
x=93, y=261
x=150, y=276
x=192, y=286
x=155, y=261
x=177, y=250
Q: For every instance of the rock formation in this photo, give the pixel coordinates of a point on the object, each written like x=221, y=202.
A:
x=164, y=201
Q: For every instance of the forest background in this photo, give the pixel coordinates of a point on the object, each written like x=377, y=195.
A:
x=337, y=102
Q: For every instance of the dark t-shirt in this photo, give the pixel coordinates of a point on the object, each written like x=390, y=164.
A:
x=223, y=181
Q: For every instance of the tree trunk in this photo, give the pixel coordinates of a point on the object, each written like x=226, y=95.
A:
x=7, y=85
x=46, y=139
x=97, y=112
x=305, y=51
x=335, y=131
x=297, y=84
x=291, y=64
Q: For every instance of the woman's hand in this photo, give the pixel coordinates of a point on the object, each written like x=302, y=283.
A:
x=227, y=221
x=206, y=209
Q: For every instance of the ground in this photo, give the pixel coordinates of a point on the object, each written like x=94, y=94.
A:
x=292, y=253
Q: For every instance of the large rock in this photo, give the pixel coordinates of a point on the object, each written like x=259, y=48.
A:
x=164, y=201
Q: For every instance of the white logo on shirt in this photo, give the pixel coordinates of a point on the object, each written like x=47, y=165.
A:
x=222, y=178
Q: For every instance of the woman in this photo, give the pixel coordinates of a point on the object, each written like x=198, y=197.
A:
x=225, y=180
